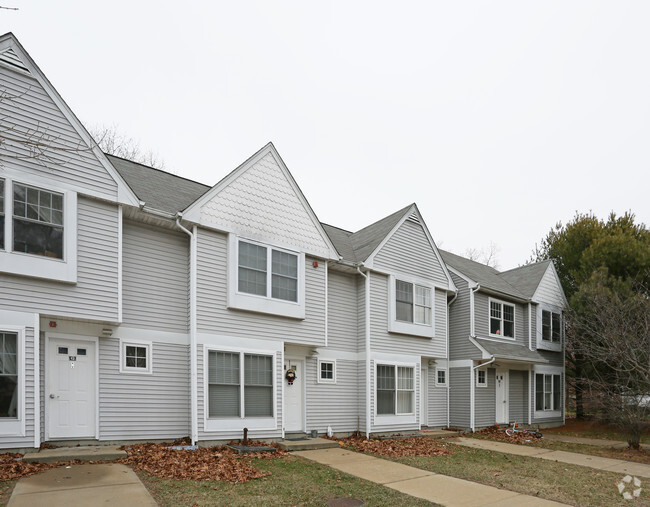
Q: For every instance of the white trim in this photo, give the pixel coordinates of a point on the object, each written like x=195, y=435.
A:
x=410, y=328
x=194, y=386
x=46, y=387
x=10, y=426
x=514, y=319
x=506, y=393
x=460, y=363
x=37, y=381
x=439, y=384
x=24, y=264
x=423, y=399
x=548, y=370
x=319, y=379
x=238, y=423
x=326, y=295
x=264, y=304
x=402, y=418
x=134, y=369
x=303, y=361
x=120, y=215
x=462, y=275
x=481, y=384
x=545, y=344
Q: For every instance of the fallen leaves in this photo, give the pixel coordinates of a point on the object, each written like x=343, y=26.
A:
x=12, y=468
x=497, y=433
x=413, y=446
x=203, y=464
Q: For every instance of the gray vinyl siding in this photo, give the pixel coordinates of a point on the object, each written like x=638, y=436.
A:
x=144, y=407
x=342, y=312
x=33, y=110
x=549, y=290
x=236, y=434
x=155, y=279
x=459, y=323
x=553, y=358
x=485, y=402
x=94, y=296
x=482, y=323
x=409, y=252
x=361, y=395
x=437, y=400
x=41, y=348
x=459, y=397
x=335, y=405
x=518, y=396
x=214, y=317
x=383, y=341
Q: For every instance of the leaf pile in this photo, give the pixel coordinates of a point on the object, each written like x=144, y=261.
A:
x=12, y=469
x=498, y=433
x=203, y=464
x=415, y=446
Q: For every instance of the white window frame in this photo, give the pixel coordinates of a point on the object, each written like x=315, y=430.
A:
x=548, y=370
x=319, y=378
x=15, y=427
x=410, y=328
x=514, y=319
x=545, y=344
x=134, y=369
x=24, y=264
x=478, y=378
x=239, y=423
x=445, y=383
x=263, y=304
x=401, y=418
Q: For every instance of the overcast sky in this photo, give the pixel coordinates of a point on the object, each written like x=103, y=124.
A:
x=498, y=119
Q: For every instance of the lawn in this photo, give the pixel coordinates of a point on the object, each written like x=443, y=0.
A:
x=590, y=428
x=293, y=481
x=6, y=488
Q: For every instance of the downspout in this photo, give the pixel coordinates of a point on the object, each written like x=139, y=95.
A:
x=449, y=369
x=530, y=369
x=472, y=334
x=367, y=336
x=194, y=426
x=530, y=326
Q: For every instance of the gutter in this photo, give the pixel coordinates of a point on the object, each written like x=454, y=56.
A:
x=194, y=416
x=449, y=369
x=366, y=275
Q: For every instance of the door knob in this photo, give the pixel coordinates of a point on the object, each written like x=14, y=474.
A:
x=52, y=396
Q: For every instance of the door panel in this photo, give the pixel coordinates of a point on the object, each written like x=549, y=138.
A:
x=293, y=398
x=501, y=395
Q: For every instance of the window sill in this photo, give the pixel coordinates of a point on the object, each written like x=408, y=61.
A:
x=35, y=266
x=238, y=424
x=385, y=420
x=421, y=330
x=11, y=428
x=548, y=414
x=552, y=346
x=501, y=337
x=268, y=306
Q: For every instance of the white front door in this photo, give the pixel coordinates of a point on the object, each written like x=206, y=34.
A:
x=294, y=406
x=71, y=391
x=501, y=387
x=424, y=406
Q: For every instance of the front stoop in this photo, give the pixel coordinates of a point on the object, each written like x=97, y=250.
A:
x=82, y=453
x=307, y=444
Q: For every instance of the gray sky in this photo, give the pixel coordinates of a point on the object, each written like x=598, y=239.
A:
x=498, y=119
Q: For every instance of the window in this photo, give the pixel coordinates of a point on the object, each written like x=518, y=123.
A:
x=502, y=319
x=136, y=357
x=548, y=392
x=412, y=309
x=37, y=221
x=441, y=377
x=8, y=375
x=2, y=214
x=227, y=373
x=255, y=266
x=481, y=378
x=395, y=390
x=551, y=326
x=326, y=372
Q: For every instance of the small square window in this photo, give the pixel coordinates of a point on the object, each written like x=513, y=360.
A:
x=441, y=377
x=63, y=350
x=326, y=372
x=136, y=357
x=481, y=378
x=81, y=352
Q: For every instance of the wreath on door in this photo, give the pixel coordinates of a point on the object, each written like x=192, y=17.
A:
x=290, y=375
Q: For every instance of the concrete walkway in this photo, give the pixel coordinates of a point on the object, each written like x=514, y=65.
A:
x=82, y=485
x=573, y=458
x=420, y=483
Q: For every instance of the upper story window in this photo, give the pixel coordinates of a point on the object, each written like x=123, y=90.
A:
x=502, y=319
x=38, y=230
x=266, y=279
x=411, y=307
x=551, y=326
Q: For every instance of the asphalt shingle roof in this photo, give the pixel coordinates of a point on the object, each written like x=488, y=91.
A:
x=341, y=241
x=511, y=351
x=158, y=189
x=526, y=278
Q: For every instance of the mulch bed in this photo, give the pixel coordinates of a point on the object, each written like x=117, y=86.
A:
x=12, y=469
x=396, y=448
x=203, y=464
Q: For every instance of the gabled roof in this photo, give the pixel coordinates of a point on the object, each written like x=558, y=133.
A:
x=510, y=351
x=365, y=241
x=526, y=278
x=341, y=240
x=158, y=189
x=488, y=277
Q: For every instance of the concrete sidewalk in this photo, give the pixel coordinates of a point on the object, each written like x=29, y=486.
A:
x=82, y=485
x=420, y=483
x=573, y=458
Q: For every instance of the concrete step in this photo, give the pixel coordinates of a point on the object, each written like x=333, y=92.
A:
x=307, y=444
x=82, y=453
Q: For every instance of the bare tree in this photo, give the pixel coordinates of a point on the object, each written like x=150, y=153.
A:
x=112, y=141
x=486, y=255
x=609, y=326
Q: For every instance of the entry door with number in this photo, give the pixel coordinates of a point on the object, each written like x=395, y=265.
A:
x=501, y=394
x=294, y=405
x=71, y=390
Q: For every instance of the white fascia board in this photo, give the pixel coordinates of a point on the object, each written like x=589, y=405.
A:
x=124, y=193
x=472, y=284
x=193, y=212
x=485, y=353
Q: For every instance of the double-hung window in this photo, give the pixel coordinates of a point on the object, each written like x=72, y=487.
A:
x=239, y=385
x=411, y=307
x=8, y=375
x=502, y=319
x=548, y=392
x=395, y=390
x=551, y=326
